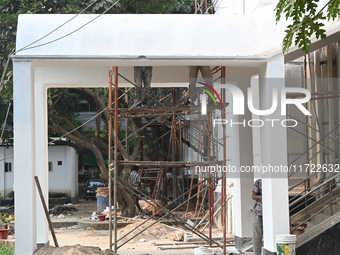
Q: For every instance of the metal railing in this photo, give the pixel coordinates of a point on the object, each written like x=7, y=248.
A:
x=314, y=199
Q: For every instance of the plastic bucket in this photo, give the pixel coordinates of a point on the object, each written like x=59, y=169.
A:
x=203, y=251
x=102, y=203
x=285, y=244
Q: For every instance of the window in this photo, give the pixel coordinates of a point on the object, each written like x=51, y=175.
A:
x=50, y=166
x=60, y=163
x=8, y=167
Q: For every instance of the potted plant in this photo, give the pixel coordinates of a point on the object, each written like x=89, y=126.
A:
x=4, y=217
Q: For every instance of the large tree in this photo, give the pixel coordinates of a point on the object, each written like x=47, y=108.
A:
x=306, y=19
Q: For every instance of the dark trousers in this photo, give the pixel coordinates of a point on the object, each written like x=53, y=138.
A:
x=193, y=73
x=142, y=76
x=257, y=234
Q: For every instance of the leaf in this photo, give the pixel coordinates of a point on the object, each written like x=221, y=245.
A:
x=333, y=10
x=306, y=17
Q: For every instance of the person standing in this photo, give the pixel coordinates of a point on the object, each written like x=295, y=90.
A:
x=134, y=180
x=193, y=73
x=258, y=222
x=142, y=76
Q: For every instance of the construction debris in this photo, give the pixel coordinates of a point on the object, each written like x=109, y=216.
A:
x=63, y=209
x=177, y=236
x=9, y=210
x=75, y=249
x=153, y=207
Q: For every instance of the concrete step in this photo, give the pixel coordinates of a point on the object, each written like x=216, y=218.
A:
x=319, y=218
x=310, y=225
x=312, y=231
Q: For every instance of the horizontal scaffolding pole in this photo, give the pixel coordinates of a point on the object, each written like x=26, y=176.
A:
x=156, y=111
x=168, y=163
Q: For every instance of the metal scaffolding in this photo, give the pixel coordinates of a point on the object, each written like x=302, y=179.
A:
x=182, y=124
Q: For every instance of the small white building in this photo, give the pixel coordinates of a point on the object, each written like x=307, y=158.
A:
x=62, y=172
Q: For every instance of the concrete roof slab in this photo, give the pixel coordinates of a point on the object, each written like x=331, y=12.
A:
x=146, y=35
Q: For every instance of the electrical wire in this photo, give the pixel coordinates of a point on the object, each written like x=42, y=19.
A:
x=83, y=124
x=27, y=46
x=23, y=48
x=56, y=139
x=64, y=135
x=5, y=122
x=6, y=158
x=96, y=115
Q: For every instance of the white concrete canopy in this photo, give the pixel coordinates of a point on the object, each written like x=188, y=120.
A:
x=152, y=36
x=82, y=58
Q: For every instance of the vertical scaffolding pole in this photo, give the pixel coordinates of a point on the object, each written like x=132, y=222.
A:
x=330, y=101
x=309, y=119
x=224, y=175
x=109, y=152
x=317, y=104
x=211, y=188
x=189, y=195
x=115, y=177
x=199, y=158
x=113, y=71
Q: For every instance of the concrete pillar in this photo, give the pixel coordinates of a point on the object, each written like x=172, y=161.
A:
x=273, y=153
x=41, y=148
x=24, y=158
x=239, y=150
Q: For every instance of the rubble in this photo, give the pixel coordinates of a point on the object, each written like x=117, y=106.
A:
x=153, y=208
x=177, y=236
x=63, y=209
x=9, y=210
x=75, y=249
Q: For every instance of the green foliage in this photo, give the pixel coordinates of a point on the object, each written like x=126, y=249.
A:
x=130, y=143
x=306, y=20
x=333, y=10
x=62, y=102
x=6, y=250
x=6, y=107
x=4, y=217
x=9, y=11
x=183, y=7
x=133, y=6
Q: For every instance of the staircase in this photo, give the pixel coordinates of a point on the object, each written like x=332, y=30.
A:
x=314, y=211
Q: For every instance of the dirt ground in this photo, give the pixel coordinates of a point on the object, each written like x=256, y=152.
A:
x=76, y=240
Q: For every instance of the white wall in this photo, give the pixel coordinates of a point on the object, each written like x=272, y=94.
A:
x=63, y=178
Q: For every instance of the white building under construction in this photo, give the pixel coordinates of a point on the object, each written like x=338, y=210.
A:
x=243, y=40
